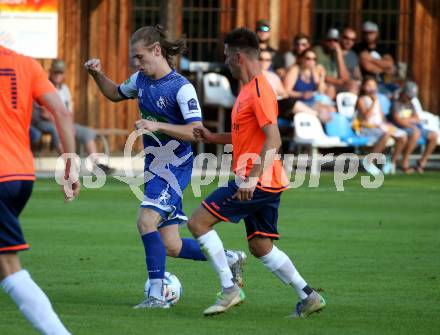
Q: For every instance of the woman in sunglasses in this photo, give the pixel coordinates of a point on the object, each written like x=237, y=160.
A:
x=305, y=82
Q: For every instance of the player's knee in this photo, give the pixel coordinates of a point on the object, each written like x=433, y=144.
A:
x=145, y=226
x=193, y=226
x=197, y=224
x=172, y=246
x=9, y=264
x=260, y=247
x=172, y=250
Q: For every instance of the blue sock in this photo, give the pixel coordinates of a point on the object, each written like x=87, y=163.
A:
x=155, y=255
x=191, y=250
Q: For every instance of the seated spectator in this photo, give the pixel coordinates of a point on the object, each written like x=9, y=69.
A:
x=301, y=42
x=329, y=55
x=374, y=126
x=44, y=121
x=263, y=34
x=374, y=60
x=265, y=60
x=35, y=136
x=351, y=60
x=285, y=104
x=305, y=82
x=405, y=116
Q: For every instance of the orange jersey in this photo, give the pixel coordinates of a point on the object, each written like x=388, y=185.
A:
x=256, y=107
x=21, y=80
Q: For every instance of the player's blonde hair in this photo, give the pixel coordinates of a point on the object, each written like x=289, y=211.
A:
x=149, y=35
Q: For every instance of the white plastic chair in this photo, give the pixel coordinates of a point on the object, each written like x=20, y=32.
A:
x=346, y=104
x=309, y=131
x=430, y=122
x=217, y=91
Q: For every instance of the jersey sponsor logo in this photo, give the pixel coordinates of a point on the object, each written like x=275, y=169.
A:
x=161, y=102
x=140, y=92
x=213, y=204
x=192, y=104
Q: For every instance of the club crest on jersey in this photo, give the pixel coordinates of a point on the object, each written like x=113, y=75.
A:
x=164, y=197
x=192, y=104
x=161, y=102
x=140, y=93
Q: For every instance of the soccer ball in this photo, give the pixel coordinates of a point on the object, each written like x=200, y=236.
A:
x=172, y=288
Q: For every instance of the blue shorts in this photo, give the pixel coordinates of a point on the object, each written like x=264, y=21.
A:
x=162, y=197
x=424, y=133
x=260, y=214
x=13, y=197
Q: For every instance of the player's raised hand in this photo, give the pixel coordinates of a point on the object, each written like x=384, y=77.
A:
x=202, y=134
x=93, y=66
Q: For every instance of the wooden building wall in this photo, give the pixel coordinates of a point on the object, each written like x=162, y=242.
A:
x=426, y=53
x=96, y=29
x=102, y=28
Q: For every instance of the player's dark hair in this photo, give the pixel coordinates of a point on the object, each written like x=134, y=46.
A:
x=244, y=40
x=149, y=35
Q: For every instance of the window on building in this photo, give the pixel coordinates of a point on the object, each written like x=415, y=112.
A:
x=146, y=13
x=202, y=26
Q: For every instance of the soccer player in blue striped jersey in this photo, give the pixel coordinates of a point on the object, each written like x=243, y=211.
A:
x=170, y=110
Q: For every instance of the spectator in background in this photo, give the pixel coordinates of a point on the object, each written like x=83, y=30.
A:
x=330, y=56
x=305, y=82
x=374, y=60
x=263, y=34
x=34, y=135
x=374, y=126
x=265, y=59
x=405, y=116
x=301, y=42
x=44, y=122
x=351, y=59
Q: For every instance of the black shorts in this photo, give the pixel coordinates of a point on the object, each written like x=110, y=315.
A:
x=260, y=214
x=13, y=197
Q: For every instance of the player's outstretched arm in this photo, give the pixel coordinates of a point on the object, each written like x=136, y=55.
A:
x=204, y=135
x=107, y=86
x=64, y=124
x=180, y=132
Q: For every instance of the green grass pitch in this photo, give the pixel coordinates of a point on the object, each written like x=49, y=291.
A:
x=375, y=253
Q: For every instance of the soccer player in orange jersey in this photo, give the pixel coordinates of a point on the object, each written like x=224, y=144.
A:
x=254, y=195
x=21, y=80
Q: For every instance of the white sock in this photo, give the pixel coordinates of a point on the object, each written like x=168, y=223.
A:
x=156, y=289
x=33, y=303
x=212, y=246
x=281, y=266
x=231, y=257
